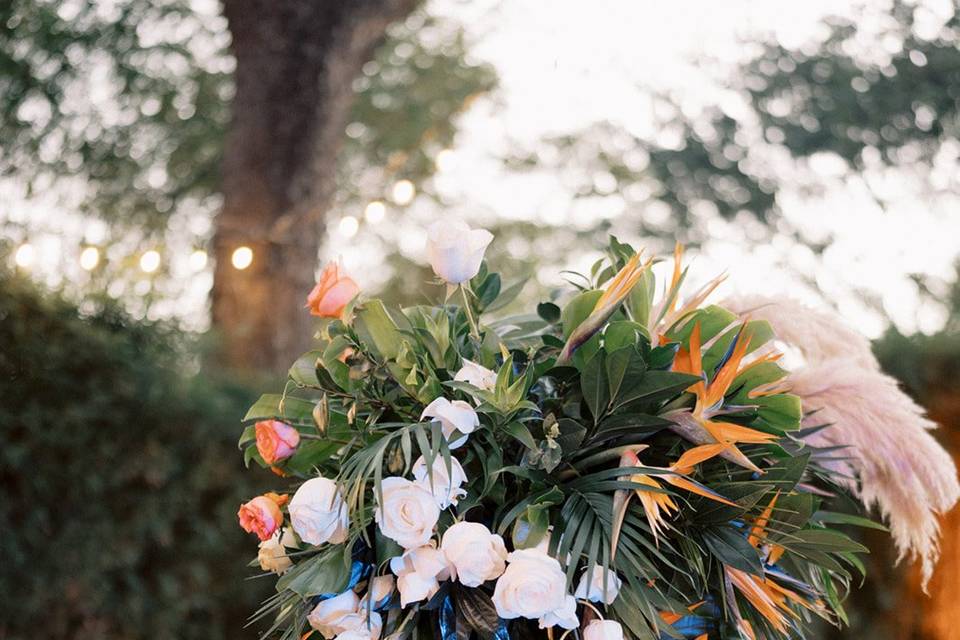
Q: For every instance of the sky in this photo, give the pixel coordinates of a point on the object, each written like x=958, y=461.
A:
x=565, y=64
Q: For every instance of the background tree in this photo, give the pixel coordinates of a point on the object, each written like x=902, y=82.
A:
x=128, y=104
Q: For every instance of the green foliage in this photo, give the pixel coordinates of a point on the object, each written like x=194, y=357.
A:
x=550, y=461
x=119, y=480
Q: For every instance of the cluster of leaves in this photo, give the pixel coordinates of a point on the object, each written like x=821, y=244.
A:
x=117, y=489
x=545, y=463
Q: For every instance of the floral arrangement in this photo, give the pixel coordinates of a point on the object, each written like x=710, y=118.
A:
x=631, y=464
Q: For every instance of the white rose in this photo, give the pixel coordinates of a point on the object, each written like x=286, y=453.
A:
x=455, y=250
x=272, y=554
x=378, y=591
x=357, y=626
x=333, y=616
x=318, y=513
x=408, y=513
x=594, y=591
x=476, y=554
x=453, y=416
x=565, y=616
x=445, y=486
x=532, y=586
x=476, y=375
x=603, y=630
x=419, y=572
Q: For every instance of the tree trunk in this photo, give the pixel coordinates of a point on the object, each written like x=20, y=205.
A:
x=296, y=62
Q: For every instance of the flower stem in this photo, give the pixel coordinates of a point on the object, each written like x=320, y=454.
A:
x=474, y=330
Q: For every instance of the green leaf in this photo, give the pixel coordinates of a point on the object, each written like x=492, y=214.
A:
x=289, y=409
x=731, y=547
x=594, y=385
x=519, y=431
x=640, y=300
x=529, y=530
x=304, y=370
x=488, y=290
x=833, y=517
x=653, y=386
x=377, y=329
x=571, y=435
x=478, y=611
x=622, y=333
x=578, y=309
x=549, y=312
x=327, y=572
x=507, y=296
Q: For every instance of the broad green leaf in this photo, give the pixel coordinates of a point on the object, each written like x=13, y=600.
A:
x=594, y=385
x=289, y=409
x=731, y=547
x=519, y=431
x=377, y=329
x=578, y=309
x=653, y=386
x=327, y=572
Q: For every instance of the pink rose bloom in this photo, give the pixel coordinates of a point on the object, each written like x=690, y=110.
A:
x=332, y=293
x=262, y=515
x=276, y=440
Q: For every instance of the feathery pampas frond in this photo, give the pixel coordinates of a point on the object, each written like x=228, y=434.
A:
x=901, y=467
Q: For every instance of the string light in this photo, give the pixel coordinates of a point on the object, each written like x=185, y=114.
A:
x=24, y=255
x=403, y=192
x=89, y=258
x=348, y=226
x=198, y=260
x=241, y=258
x=375, y=212
x=150, y=261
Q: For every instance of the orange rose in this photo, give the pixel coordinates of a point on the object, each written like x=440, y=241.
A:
x=276, y=441
x=332, y=293
x=262, y=515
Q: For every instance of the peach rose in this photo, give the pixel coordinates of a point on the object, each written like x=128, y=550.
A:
x=276, y=440
x=262, y=515
x=332, y=293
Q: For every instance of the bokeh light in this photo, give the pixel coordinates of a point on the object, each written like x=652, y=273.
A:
x=24, y=256
x=150, y=261
x=241, y=258
x=403, y=192
x=89, y=258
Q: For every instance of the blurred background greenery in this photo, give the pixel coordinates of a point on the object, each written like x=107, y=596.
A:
x=145, y=142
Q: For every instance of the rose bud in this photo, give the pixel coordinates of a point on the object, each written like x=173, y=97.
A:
x=276, y=440
x=333, y=292
x=262, y=515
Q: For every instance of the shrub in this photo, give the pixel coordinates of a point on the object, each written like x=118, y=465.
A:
x=120, y=479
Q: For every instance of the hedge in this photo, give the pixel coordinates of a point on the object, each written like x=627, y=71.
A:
x=119, y=479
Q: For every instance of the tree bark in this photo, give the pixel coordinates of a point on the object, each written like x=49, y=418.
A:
x=296, y=62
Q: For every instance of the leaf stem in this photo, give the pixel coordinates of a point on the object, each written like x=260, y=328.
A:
x=474, y=330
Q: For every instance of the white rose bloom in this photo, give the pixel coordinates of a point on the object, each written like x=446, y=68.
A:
x=476, y=554
x=565, y=616
x=333, y=616
x=603, y=630
x=357, y=626
x=408, y=513
x=273, y=555
x=456, y=415
x=379, y=590
x=476, y=375
x=455, y=250
x=446, y=484
x=532, y=586
x=594, y=591
x=419, y=572
x=318, y=513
